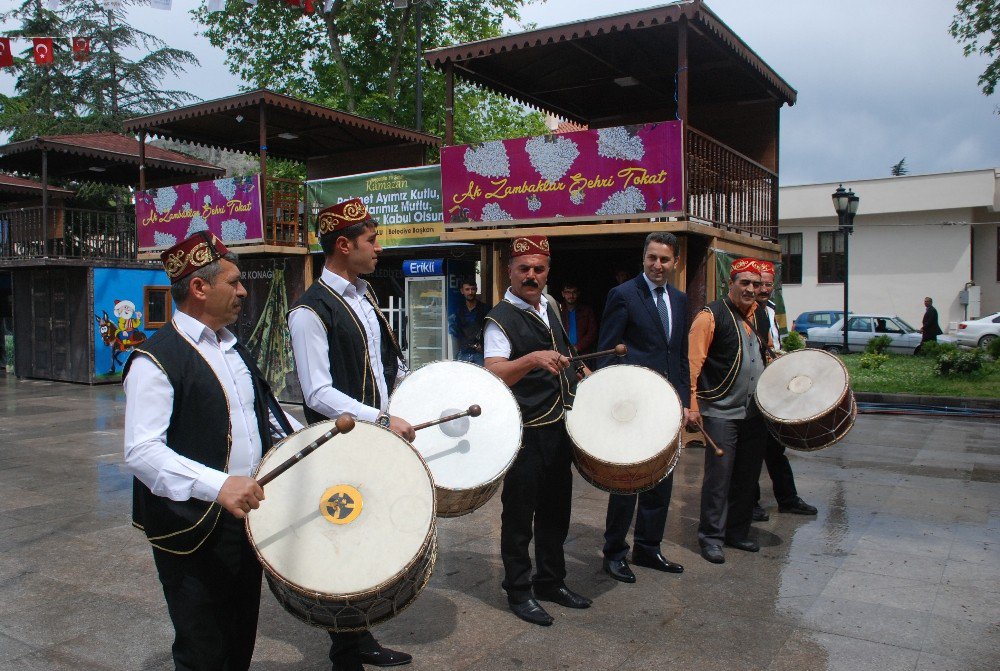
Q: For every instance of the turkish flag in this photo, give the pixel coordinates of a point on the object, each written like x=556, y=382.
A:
x=81, y=48
x=6, y=55
x=308, y=7
x=43, y=50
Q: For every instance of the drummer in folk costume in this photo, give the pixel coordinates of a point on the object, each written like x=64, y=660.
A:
x=526, y=347
x=778, y=467
x=348, y=361
x=198, y=417
x=650, y=318
x=727, y=357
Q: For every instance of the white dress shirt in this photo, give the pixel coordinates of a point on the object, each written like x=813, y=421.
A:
x=666, y=299
x=312, y=353
x=495, y=342
x=775, y=337
x=149, y=400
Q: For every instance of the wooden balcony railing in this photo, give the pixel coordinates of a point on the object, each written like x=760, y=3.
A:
x=71, y=233
x=728, y=189
x=282, y=217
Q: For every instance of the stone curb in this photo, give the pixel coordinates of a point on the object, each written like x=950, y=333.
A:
x=937, y=401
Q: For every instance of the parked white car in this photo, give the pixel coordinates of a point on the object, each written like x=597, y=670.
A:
x=978, y=332
x=864, y=327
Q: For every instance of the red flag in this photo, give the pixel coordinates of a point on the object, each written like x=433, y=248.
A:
x=308, y=7
x=43, y=50
x=6, y=55
x=81, y=48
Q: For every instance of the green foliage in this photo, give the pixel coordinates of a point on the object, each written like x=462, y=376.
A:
x=793, y=341
x=899, y=169
x=873, y=360
x=993, y=349
x=976, y=25
x=935, y=349
x=878, y=344
x=960, y=362
x=361, y=57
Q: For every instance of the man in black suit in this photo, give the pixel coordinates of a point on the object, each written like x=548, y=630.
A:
x=651, y=318
x=929, y=329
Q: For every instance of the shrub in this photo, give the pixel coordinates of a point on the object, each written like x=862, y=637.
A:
x=936, y=349
x=873, y=360
x=992, y=348
x=794, y=341
x=878, y=344
x=957, y=362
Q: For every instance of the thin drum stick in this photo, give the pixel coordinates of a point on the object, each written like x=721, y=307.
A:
x=473, y=411
x=718, y=450
x=619, y=350
x=344, y=424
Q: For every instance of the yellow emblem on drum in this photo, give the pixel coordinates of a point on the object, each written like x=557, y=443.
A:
x=341, y=504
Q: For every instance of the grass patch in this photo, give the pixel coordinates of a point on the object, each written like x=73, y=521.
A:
x=905, y=374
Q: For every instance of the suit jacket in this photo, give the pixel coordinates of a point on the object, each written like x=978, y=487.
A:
x=930, y=327
x=630, y=317
x=586, y=327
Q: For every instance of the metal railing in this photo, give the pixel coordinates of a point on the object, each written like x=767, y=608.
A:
x=728, y=189
x=69, y=233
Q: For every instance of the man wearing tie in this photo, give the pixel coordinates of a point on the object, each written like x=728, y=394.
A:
x=650, y=317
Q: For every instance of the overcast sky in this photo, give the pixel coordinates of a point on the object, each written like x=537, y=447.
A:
x=876, y=81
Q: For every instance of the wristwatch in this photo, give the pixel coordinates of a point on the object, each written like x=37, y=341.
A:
x=383, y=420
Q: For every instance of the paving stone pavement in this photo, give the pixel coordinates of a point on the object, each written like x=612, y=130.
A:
x=900, y=569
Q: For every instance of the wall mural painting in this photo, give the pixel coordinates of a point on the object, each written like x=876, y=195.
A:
x=119, y=323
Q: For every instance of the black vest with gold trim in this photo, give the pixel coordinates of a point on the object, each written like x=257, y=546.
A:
x=200, y=429
x=542, y=396
x=350, y=367
x=725, y=354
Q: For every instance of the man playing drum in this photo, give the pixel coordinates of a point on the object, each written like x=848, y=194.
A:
x=649, y=317
x=348, y=361
x=525, y=347
x=198, y=417
x=727, y=357
x=778, y=468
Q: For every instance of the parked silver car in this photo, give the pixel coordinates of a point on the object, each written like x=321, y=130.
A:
x=862, y=328
x=979, y=332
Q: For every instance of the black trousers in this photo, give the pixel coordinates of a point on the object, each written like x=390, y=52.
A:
x=728, y=487
x=213, y=596
x=780, y=472
x=346, y=649
x=536, y=498
x=650, y=519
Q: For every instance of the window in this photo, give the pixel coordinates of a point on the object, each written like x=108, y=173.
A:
x=791, y=258
x=831, y=256
x=157, y=306
x=860, y=324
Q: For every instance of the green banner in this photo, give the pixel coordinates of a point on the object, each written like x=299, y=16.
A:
x=406, y=203
x=723, y=261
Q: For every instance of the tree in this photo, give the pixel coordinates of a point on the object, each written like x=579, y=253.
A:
x=977, y=26
x=899, y=169
x=361, y=57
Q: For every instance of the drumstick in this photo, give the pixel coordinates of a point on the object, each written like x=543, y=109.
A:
x=618, y=350
x=473, y=411
x=344, y=424
x=718, y=450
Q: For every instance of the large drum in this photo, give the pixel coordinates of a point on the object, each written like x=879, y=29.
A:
x=625, y=424
x=468, y=456
x=806, y=399
x=347, y=535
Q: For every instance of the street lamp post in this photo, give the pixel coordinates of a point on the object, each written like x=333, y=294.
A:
x=418, y=20
x=846, y=205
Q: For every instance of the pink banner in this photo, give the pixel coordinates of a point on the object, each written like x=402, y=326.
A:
x=604, y=174
x=229, y=207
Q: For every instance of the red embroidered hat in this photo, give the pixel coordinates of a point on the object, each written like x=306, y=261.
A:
x=744, y=265
x=189, y=255
x=765, y=267
x=529, y=244
x=342, y=215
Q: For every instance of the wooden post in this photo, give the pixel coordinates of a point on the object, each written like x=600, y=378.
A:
x=142, y=160
x=679, y=279
x=682, y=69
x=45, y=201
x=262, y=137
x=710, y=272
x=498, y=278
x=449, y=103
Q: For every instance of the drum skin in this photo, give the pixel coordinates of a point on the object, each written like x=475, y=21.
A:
x=468, y=457
x=806, y=400
x=625, y=425
x=346, y=576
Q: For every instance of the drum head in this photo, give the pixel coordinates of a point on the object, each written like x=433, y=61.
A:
x=470, y=451
x=624, y=414
x=347, y=518
x=801, y=385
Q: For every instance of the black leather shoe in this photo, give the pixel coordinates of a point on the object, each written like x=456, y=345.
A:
x=746, y=545
x=531, y=611
x=714, y=554
x=619, y=570
x=563, y=596
x=385, y=657
x=800, y=507
x=760, y=515
x=657, y=561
